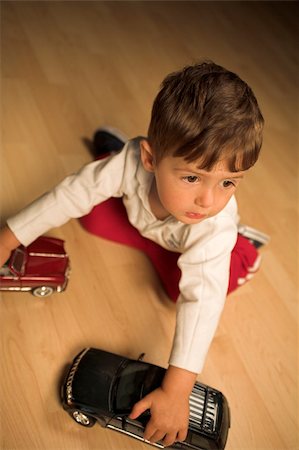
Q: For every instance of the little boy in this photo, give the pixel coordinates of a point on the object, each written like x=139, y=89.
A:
x=178, y=188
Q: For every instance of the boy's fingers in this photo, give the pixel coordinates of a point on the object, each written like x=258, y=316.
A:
x=157, y=436
x=139, y=408
x=182, y=434
x=169, y=439
x=150, y=431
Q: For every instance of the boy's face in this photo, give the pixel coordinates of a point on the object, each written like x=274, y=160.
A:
x=185, y=191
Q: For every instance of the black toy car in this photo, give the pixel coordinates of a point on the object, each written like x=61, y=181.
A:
x=103, y=387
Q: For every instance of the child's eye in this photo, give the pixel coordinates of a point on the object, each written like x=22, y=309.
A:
x=190, y=179
x=227, y=184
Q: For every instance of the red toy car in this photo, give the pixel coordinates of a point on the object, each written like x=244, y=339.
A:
x=42, y=268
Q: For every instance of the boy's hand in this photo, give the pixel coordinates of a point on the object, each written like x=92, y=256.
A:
x=4, y=255
x=169, y=417
x=8, y=242
x=169, y=407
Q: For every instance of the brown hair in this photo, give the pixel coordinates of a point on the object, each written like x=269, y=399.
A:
x=205, y=112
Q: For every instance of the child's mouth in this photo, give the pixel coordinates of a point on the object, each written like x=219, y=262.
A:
x=195, y=216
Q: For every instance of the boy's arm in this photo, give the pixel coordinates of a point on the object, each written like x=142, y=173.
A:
x=169, y=407
x=8, y=242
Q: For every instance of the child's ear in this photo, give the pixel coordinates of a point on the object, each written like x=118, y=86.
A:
x=147, y=156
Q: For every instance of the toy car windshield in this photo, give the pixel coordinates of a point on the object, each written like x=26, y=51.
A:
x=130, y=386
x=103, y=387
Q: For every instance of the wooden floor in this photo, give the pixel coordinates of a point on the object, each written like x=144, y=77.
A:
x=68, y=67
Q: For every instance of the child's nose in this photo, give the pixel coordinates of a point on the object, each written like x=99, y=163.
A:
x=205, y=198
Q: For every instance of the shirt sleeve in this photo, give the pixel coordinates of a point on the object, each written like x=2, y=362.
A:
x=74, y=197
x=203, y=288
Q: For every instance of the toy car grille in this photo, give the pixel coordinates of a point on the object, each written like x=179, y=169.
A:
x=70, y=378
x=203, y=409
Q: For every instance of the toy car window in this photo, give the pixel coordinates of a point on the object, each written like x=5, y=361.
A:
x=130, y=385
x=17, y=264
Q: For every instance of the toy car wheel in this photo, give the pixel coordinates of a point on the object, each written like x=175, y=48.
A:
x=42, y=291
x=83, y=419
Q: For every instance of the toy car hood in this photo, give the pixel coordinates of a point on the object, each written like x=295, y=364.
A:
x=92, y=378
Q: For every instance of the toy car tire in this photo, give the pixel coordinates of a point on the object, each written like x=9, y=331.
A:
x=83, y=419
x=42, y=291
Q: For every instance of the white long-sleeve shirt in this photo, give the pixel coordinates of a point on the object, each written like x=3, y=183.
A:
x=205, y=247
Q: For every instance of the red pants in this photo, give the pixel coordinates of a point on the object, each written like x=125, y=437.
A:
x=109, y=220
